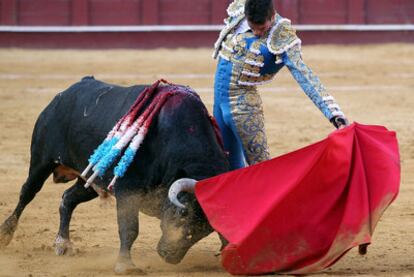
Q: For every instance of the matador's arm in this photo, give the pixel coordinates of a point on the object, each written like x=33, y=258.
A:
x=284, y=43
x=313, y=87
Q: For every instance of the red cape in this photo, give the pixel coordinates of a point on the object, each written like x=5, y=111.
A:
x=300, y=212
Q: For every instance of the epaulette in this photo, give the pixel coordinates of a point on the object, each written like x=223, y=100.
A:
x=282, y=36
x=236, y=15
x=236, y=8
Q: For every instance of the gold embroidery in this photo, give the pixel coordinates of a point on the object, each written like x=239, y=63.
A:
x=231, y=23
x=255, y=80
x=225, y=54
x=281, y=36
x=247, y=112
x=239, y=46
x=254, y=57
x=251, y=68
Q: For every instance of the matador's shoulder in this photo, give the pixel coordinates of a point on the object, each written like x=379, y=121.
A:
x=236, y=8
x=282, y=36
x=235, y=13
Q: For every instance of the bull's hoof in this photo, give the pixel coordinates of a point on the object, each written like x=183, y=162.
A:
x=7, y=230
x=5, y=237
x=127, y=267
x=63, y=247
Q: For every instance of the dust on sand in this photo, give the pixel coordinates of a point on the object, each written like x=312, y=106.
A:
x=374, y=84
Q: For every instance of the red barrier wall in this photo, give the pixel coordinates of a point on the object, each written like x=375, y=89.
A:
x=172, y=12
x=111, y=12
x=190, y=12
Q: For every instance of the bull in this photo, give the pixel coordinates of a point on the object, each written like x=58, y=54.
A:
x=181, y=146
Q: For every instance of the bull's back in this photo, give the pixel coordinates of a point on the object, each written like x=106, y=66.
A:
x=78, y=119
x=95, y=105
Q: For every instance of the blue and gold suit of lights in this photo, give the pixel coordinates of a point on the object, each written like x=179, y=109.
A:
x=245, y=61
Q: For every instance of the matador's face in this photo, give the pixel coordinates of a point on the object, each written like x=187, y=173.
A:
x=260, y=30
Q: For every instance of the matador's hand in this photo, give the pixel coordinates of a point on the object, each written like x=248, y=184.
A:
x=339, y=122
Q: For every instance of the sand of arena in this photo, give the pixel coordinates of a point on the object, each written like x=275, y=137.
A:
x=374, y=84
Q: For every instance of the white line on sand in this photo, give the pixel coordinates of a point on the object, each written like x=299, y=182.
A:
x=375, y=88
x=172, y=76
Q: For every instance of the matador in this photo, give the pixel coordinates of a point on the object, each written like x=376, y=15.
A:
x=250, y=52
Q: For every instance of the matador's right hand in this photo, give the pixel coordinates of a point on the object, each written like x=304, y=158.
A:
x=339, y=122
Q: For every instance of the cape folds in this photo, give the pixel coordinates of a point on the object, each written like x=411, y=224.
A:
x=300, y=212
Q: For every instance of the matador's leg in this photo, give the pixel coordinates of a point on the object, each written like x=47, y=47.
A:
x=247, y=113
x=232, y=143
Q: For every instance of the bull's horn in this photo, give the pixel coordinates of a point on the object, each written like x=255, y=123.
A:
x=184, y=184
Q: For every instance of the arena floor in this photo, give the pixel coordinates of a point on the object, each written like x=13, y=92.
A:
x=374, y=84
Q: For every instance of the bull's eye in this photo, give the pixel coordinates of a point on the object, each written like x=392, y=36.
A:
x=189, y=237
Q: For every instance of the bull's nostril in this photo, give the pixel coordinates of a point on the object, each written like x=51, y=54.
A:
x=162, y=253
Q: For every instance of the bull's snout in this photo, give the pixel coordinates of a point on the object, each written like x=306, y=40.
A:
x=170, y=256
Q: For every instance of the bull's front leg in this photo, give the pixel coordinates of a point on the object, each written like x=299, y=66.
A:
x=128, y=226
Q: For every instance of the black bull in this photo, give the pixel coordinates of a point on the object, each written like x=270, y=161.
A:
x=181, y=143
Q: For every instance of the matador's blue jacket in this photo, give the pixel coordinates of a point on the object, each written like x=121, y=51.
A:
x=245, y=61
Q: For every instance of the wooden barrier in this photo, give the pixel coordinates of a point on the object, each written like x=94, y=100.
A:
x=197, y=13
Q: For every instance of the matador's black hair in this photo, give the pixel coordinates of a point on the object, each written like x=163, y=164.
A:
x=259, y=11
